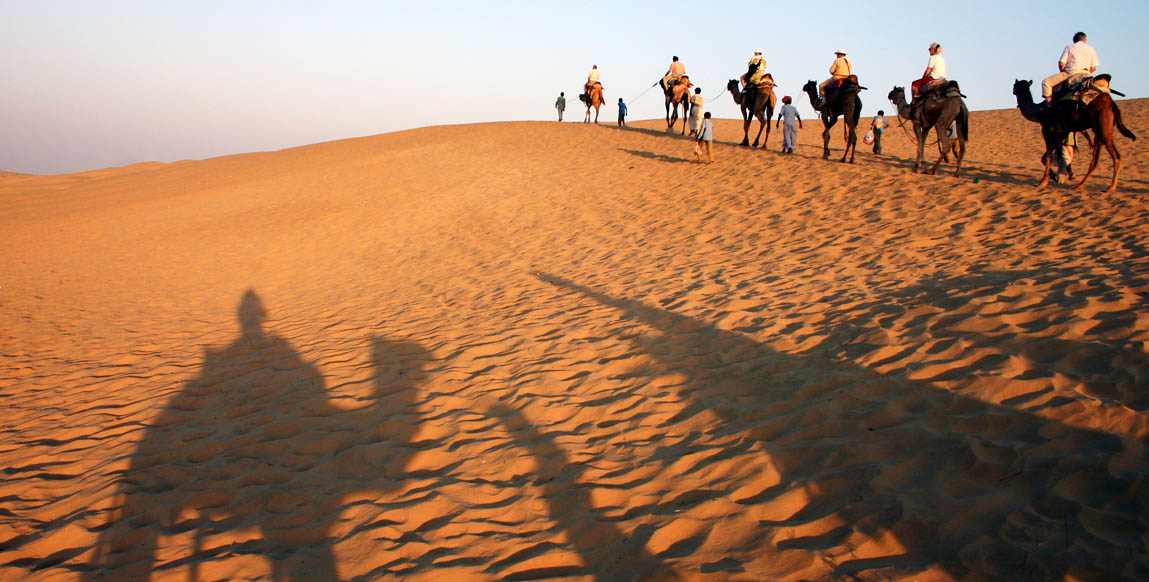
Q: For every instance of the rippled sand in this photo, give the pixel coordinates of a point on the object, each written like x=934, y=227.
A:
x=521, y=351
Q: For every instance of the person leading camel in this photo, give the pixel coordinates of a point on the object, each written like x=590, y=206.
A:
x=935, y=71
x=1078, y=59
x=841, y=69
x=696, y=104
x=793, y=122
x=676, y=71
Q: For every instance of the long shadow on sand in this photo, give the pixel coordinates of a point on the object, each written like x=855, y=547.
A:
x=609, y=554
x=976, y=489
x=253, y=443
x=654, y=156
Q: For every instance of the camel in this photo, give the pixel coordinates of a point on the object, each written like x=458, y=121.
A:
x=936, y=113
x=595, y=99
x=762, y=108
x=674, y=97
x=1100, y=115
x=843, y=102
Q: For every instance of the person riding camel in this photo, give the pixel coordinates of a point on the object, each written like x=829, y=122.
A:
x=841, y=69
x=754, y=70
x=934, y=74
x=676, y=71
x=1077, y=61
x=591, y=80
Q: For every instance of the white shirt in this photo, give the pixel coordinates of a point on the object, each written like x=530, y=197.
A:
x=1079, y=57
x=937, y=66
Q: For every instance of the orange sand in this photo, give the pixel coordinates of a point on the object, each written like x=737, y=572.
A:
x=522, y=351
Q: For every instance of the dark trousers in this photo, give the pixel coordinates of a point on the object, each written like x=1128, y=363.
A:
x=878, y=142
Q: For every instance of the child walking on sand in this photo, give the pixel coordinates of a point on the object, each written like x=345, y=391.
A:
x=621, y=113
x=705, y=139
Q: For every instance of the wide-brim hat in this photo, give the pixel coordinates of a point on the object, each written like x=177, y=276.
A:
x=934, y=45
x=840, y=52
x=757, y=51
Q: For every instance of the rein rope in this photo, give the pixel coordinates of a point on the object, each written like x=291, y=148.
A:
x=913, y=138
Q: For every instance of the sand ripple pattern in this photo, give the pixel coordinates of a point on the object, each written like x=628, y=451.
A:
x=535, y=351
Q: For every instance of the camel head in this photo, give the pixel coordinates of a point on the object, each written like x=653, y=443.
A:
x=895, y=93
x=1022, y=87
x=810, y=86
x=732, y=85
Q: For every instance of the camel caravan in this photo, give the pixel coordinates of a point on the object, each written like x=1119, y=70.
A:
x=1075, y=101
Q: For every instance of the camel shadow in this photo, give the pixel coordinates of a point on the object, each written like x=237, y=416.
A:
x=254, y=443
x=967, y=486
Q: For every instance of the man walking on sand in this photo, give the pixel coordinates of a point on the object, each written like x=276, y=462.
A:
x=789, y=116
x=706, y=137
x=561, y=104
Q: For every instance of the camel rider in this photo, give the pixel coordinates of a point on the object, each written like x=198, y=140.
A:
x=591, y=79
x=1077, y=60
x=935, y=71
x=841, y=69
x=754, y=70
x=676, y=71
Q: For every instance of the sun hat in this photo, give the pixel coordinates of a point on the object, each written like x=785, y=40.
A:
x=934, y=45
x=840, y=52
x=757, y=51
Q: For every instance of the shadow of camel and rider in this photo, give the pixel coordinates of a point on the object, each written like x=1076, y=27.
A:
x=254, y=443
x=961, y=484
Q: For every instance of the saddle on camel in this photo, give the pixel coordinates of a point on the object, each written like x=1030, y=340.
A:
x=677, y=89
x=1081, y=89
x=937, y=90
x=837, y=88
x=764, y=85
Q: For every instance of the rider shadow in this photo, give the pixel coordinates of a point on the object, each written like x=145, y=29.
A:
x=253, y=444
x=960, y=484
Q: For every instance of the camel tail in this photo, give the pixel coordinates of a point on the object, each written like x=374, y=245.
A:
x=963, y=123
x=1120, y=124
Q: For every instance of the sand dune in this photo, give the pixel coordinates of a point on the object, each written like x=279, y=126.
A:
x=525, y=351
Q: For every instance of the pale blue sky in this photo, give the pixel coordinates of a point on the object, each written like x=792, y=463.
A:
x=87, y=84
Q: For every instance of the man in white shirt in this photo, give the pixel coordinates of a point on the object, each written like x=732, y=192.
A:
x=935, y=70
x=1078, y=59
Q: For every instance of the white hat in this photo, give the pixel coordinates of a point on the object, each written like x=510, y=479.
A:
x=840, y=52
x=757, y=51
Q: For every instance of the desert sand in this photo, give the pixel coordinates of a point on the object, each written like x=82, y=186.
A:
x=532, y=350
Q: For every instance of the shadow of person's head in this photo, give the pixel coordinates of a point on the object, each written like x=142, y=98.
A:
x=251, y=314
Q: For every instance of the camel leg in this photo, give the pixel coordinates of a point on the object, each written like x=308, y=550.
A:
x=1048, y=159
x=1096, y=158
x=1116, y=157
x=851, y=143
x=826, y=136
x=769, y=114
x=761, y=125
x=920, y=133
x=943, y=146
x=958, y=155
